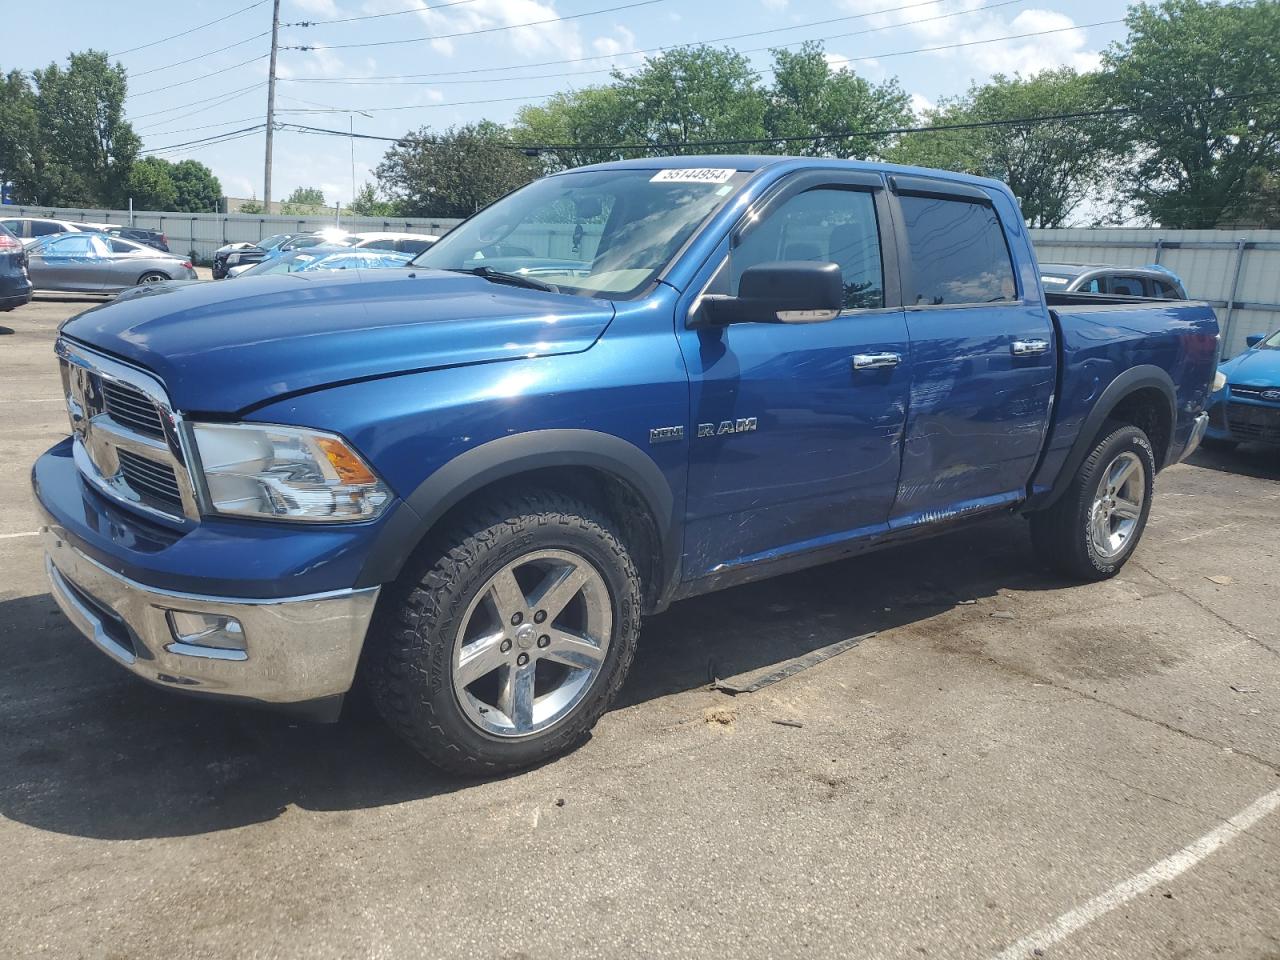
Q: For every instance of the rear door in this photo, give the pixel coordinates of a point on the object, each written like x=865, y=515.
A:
x=983, y=360
x=796, y=428
x=69, y=262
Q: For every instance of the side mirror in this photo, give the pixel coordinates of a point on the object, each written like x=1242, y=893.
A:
x=1253, y=339
x=787, y=291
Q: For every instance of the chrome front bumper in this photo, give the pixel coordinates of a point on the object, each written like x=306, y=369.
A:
x=1197, y=434
x=297, y=649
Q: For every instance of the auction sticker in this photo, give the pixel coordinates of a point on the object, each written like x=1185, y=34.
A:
x=693, y=175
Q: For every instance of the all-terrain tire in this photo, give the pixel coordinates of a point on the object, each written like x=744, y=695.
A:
x=410, y=652
x=1062, y=534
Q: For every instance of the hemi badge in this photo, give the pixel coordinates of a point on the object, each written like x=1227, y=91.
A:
x=665, y=434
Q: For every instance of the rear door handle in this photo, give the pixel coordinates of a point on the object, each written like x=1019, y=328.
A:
x=875, y=361
x=1029, y=348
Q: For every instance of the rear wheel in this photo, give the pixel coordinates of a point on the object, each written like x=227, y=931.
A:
x=152, y=276
x=1095, y=526
x=507, y=648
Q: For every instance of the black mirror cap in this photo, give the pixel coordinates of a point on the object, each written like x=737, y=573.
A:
x=785, y=291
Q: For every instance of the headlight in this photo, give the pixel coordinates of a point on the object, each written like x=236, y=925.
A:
x=233, y=258
x=253, y=470
x=1219, y=381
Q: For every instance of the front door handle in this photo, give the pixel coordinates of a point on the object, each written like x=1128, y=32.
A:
x=875, y=361
x=1029, y=348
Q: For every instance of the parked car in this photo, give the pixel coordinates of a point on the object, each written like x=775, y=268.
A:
x=473, y=483
x=152, y=238
x=15, y=285
x=324, y=258
x=30, y=228
x=1154, y=282
x=268, y=248
x=411, y=243
x=1246, y=396
x=98, y=263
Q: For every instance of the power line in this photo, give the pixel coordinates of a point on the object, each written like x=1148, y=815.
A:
x=471, y=33
x=208, y=53
x=205, y=76
x=375, y=16
x=1157, y=110
x=583, y=73
x=627, y=53
x=234, y=13
x=208, y=141
x=220, y=98
x=152, y=132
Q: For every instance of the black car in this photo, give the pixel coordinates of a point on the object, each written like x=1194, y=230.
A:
x=15, y=285
x=152, y=238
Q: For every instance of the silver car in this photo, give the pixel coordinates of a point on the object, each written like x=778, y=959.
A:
x=97, y=263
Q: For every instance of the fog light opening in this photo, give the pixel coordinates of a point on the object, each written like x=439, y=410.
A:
x=206, y=630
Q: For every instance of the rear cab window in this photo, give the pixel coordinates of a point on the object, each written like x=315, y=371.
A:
x=957, y=253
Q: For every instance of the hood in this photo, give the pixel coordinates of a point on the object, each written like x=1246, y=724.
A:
x=1254, y=368
x=221, y=347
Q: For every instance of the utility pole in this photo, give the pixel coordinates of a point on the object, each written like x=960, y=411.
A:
x=271, y=103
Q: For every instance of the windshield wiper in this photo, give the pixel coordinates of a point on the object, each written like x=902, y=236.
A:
x=514, y=279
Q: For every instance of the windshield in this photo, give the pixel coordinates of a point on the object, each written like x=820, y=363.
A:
x=602, y=233
x=274, y=241
x=1271, y=343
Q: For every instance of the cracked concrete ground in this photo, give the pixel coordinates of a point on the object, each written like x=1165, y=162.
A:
x=950, y=786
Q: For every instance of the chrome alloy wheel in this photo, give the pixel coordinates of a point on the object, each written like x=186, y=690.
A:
x=532, y=642
x=1117, y=505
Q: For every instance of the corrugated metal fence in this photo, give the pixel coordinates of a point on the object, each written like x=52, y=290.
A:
x=205, y=232
x=1238, y=271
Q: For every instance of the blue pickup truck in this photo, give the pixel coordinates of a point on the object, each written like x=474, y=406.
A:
x=463, y=484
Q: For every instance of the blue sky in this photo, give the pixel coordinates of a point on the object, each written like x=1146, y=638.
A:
x=170, y=104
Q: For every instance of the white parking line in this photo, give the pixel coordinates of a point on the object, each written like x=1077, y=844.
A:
x=1162, y=872
x=10, y=536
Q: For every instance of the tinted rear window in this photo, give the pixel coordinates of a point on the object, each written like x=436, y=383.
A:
x=958, y=253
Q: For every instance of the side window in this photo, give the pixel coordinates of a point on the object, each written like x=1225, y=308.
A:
x=1166, y=290
x=42, y=228
x=828, y=225
x=1093, y=286
x=13, y=226
x=958, y=253
x=1126, y=286
x=73, y=245
x=118, y=247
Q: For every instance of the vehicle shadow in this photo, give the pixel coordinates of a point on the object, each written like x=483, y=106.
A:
x=1257, y=460
x=87, y=750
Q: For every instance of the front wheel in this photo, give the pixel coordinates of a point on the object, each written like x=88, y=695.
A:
x=1095, y=526
x=505, y=648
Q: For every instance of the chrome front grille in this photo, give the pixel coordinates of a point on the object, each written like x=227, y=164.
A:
x=128, y=442
x=130, y=407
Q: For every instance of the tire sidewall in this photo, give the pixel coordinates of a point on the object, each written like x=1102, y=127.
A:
x=436, y=640
x=1126, y=439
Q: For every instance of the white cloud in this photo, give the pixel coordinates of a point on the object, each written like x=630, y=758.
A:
x=315, y=8
x=562, y=39
x=920, y=104
x=928, y=26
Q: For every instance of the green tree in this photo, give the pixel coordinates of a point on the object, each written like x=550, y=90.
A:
x=20, y=151
x=809, y=99
x=86, y=148
x=304, y=201
x=570, y=119
x=693, y=93
x=455, y=173
x=198, y=189
x=1194, y=160
x=1053, y=167
x=367, y=203
x=150, y=185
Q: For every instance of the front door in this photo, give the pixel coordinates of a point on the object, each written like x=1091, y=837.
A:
x=983, y=357
x=796, y=431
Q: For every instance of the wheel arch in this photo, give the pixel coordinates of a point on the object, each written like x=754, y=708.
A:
x=599, y=467
x=1143, y=396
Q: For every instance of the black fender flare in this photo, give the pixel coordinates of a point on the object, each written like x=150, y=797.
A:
x=1128, y=382
x=508, y=457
